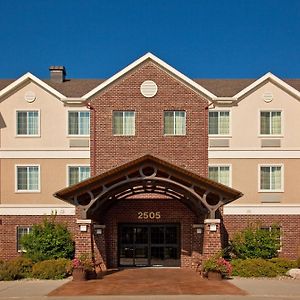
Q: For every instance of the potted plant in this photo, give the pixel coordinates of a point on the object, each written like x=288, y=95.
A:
x=81, y=267
x=216, y=268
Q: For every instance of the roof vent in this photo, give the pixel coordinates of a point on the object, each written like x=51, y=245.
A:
x=148, y=88
x=57, y=73
x=268, y=97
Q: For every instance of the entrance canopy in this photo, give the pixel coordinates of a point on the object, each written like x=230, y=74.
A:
x=147, y=174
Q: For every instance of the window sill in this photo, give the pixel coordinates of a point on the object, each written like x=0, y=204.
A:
x=77, y=136
x=219, y=136
x=27, y=191
x=271, y=191
x=27, y=136
x=168, y=135
x=270, y=136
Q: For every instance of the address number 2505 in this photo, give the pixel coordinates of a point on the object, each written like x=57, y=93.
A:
x=149, y=215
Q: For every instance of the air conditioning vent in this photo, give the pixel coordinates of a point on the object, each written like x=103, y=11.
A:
x=148, y=88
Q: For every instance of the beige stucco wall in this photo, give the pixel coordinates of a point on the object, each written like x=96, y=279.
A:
x=245, y=178
x=245, y=119
x=53, y=176
x=53, y=120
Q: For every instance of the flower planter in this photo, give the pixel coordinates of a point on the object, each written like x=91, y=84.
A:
x=214, y=275
x=79, y=274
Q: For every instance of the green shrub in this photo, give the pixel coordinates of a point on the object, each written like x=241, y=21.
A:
x=282, y=265
x=298, y=262
x=52, y=269
x=16, y=268
x=253, y=268
x=255, y=242
x=48, y=240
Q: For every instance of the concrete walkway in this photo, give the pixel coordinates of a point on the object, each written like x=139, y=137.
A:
x=258, y=289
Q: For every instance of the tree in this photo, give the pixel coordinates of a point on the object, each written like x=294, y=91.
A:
x=48, y=240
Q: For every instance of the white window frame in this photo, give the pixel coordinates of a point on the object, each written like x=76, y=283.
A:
x=78, y=135
x=29, y=229
x=16, y=178
x=282, y=178
x=77, y=166
x=282, y=123
x=39, y=123
x=123, y=113
x=229, y=129
x=174, y=127
x=224, y=165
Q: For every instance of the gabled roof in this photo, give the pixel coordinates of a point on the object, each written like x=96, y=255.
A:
x=150, y=56
x=30, y=77
x=267, y=77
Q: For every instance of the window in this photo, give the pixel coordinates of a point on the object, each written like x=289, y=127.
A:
x=275, y=232
x=124, y=123
x=21, y=231
x=28, y=123
x=78, y=173
x=218, y=122
x=220, y=174
x=270, y=122
x=174, y=123
x=79, y=123
x=28, y=178
x=271, y=178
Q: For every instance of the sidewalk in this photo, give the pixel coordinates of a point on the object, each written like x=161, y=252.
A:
x=258, y=289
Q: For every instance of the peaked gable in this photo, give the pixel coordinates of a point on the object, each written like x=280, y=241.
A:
x=163, y=65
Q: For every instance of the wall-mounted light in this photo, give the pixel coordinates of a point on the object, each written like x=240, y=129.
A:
x=83, y=228
x=199, y=230
x=213, y=227
x=99, y=231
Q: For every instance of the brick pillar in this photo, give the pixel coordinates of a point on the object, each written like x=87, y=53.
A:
x=212, y=237
x=84, y=238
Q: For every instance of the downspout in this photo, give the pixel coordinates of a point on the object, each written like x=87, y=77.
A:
x=93, y=135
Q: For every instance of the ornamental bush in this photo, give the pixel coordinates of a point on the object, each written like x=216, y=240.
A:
x=16, y=268
x=52, y=269
x=256, y=242
x=48, y=240
x=261, y=267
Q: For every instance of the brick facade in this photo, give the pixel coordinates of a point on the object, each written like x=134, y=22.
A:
x=8, y=231
x=289, y=227
x=189, y=151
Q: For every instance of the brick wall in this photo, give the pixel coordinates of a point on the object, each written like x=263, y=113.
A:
x=188, y=151
x=8, y=231
x=289, y=224
x=172, y=211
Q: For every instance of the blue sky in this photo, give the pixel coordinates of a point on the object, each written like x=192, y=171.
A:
x=200, y=38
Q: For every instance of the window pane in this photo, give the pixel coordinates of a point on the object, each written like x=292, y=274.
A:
x=213, y=173
x=265, y=122
x=73, y=175
x=265, y=178
x=84, y=173
x=118, y=122
x=33, y=178
x=84, y=123
x=129, y=123
x=32, y=123
x=276, y=178
x=224, y=122
x=168, y=122
x=224, y=175
x=21, y=231
x=73, y=122
x=213, y=122
x=21, y=122
x=22, y=178
x=276, y=122
x=180, y=122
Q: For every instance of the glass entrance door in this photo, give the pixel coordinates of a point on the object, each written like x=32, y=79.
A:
x=149, y=245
